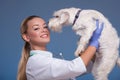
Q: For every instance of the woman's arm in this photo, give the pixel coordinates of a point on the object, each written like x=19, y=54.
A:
x=88, y=54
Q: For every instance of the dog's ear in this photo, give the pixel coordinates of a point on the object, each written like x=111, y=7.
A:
x=64, y=17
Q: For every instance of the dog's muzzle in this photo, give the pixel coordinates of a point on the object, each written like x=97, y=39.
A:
x=76, y=16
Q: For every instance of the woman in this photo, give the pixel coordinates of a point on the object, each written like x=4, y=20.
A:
x=38, y=64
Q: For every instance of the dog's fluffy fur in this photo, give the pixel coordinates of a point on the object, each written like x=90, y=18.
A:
x=108, y=52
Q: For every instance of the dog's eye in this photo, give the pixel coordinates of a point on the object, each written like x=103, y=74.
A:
x=56, y=16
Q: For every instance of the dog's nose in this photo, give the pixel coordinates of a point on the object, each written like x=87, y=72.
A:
x=47, y=22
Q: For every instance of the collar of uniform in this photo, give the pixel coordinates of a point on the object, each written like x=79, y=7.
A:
x=43, y=53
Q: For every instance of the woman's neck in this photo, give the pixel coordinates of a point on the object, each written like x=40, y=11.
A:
x=38, y=48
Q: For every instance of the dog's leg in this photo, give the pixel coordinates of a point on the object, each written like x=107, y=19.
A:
x=104, y=64
x=81, y=46
x=83, y=42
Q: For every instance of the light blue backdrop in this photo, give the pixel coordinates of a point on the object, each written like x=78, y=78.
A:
x=12, y=12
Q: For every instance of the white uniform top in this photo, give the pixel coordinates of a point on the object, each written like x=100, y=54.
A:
x=42, y=66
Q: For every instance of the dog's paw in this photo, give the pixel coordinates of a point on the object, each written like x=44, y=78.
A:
x=77, y=53
x=79, y=50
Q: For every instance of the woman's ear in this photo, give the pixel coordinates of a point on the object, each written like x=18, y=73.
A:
x=26, y=37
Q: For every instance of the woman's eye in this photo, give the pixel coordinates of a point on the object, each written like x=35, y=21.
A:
x=46, y=27
x=36, y=28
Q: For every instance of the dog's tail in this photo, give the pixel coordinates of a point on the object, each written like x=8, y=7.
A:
x=118, y=60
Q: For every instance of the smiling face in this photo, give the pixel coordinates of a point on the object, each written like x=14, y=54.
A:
x=37, y=34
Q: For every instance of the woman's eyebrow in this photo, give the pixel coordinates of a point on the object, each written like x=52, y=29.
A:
x=35, y=25
x=38, y=25
x=44, y=23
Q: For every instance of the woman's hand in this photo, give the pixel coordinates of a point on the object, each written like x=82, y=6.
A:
x=96, y=34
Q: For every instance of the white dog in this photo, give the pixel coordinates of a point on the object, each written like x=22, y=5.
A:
x=84, y=24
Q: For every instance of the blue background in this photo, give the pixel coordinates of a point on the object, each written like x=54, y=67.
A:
x=12, y=12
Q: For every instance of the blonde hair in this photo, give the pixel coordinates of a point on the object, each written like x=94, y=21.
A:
x=25, y=52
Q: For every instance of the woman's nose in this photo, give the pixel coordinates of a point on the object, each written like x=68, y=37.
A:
x=43, y=29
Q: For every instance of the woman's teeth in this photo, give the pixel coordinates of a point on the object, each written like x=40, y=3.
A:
x=44, y=36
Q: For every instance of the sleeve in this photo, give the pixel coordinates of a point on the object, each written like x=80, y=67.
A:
x=44, y=68
x=67, y=69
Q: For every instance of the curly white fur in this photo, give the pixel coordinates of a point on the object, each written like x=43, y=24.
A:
x=108, y=53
